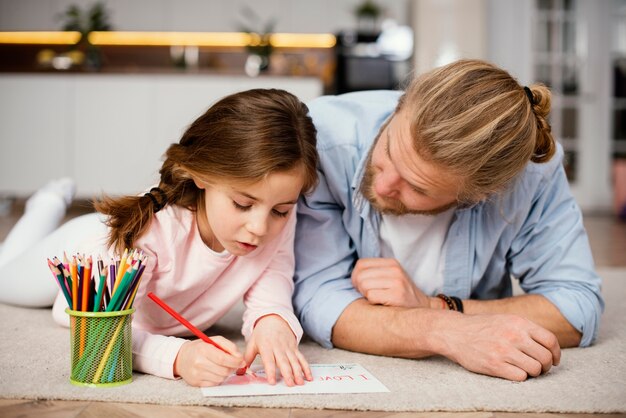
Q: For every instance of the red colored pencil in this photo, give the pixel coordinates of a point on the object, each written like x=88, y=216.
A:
x=191, y=327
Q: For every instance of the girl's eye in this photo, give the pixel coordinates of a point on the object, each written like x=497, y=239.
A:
x=241, y=207
x=279, y=213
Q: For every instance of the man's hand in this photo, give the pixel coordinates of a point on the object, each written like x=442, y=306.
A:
x=383, y=281
x=506, y=346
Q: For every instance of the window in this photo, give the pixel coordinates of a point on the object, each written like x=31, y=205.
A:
x=618, y=50
x=557, y=50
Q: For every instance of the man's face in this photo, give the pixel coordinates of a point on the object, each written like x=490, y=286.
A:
x=398, y=181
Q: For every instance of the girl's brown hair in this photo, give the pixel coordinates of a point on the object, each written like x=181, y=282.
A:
x=241, y=138
x=475, y=120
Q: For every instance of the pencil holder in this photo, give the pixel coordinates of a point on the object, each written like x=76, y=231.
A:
x=101, y=348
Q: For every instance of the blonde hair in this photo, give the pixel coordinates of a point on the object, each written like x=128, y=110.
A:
x=475, y=120
x=240, y=139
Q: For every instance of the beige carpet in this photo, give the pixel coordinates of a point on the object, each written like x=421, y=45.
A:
x=34, y=364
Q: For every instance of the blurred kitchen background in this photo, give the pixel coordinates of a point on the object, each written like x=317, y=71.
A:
x=97, y=90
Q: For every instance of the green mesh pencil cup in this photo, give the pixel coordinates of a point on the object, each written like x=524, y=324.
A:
x=101, y=348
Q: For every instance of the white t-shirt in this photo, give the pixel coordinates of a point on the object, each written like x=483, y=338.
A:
x=417, y=242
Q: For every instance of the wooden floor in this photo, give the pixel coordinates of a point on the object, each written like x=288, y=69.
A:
x=78, y=409
x=607, y=236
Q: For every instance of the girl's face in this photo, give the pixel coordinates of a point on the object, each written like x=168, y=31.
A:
x=241, y=218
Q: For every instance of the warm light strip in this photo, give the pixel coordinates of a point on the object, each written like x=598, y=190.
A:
x=57, y=38
x=223, y=39
x=170, y=38
x=232, y=39
x=303, y=40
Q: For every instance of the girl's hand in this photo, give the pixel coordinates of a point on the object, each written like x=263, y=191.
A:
x=273, y=339
x=201, y=364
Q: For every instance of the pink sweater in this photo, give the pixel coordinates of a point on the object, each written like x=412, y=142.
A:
x=200, y=284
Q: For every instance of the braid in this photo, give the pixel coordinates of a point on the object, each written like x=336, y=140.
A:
x=130, y=216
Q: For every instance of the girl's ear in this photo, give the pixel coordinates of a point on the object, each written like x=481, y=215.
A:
x=199, y=184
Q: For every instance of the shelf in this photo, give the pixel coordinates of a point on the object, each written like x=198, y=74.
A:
x=206, y=39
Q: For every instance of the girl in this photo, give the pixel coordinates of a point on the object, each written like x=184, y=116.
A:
x=219, y=226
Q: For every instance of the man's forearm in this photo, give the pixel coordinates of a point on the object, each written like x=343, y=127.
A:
x=386, y=330
x=502, y=345
x=533, y=307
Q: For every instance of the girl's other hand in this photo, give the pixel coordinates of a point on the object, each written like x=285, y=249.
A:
x=201, y=364
x=273, y=339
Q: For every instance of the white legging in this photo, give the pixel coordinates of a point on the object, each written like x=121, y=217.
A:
x=25, y=278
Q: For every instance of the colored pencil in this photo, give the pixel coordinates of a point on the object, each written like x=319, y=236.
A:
x=83, y=274
x=112, y=274
x=99, y=299
x=74, y=276
x=107, y=351
x=57, y=273
x=121, y=270
x=134, y=287
x=120, y=290
x=190, y=327
x=65, y=280
x=83, y=292
x=66, y=274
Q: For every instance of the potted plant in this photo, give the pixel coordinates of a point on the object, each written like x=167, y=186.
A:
x=94, y=18
x=260, y=49
x=367, y=14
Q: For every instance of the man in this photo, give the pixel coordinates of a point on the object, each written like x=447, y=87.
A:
x=429, y=204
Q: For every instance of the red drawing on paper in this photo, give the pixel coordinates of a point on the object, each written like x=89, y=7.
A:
x=246, y=379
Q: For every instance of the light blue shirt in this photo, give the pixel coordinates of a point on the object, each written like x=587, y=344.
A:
x=533, y=230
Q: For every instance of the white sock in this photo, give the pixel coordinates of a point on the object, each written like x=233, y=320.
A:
x=64, y=188
x=43, y=213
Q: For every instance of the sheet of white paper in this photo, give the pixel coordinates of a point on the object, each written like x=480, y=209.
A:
x=327, y=378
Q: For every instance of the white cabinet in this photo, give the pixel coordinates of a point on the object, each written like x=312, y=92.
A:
x=107, y=131
x=113, y=126
x=34, y=130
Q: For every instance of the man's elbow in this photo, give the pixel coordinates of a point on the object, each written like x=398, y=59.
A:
x=570, y=338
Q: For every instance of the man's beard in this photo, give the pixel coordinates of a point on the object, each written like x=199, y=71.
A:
x=388, y=206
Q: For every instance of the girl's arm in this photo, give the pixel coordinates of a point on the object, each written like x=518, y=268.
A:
x=270, y=325
x=273, y=290
x=155, y=354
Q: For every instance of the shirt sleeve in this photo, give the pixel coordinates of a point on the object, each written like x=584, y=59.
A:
x=551, y=255
x=152, y=353
x=155, y=354
x=325, y=255
x=272, y=292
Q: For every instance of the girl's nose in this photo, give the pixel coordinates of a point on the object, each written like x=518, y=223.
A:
x=257, y=225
